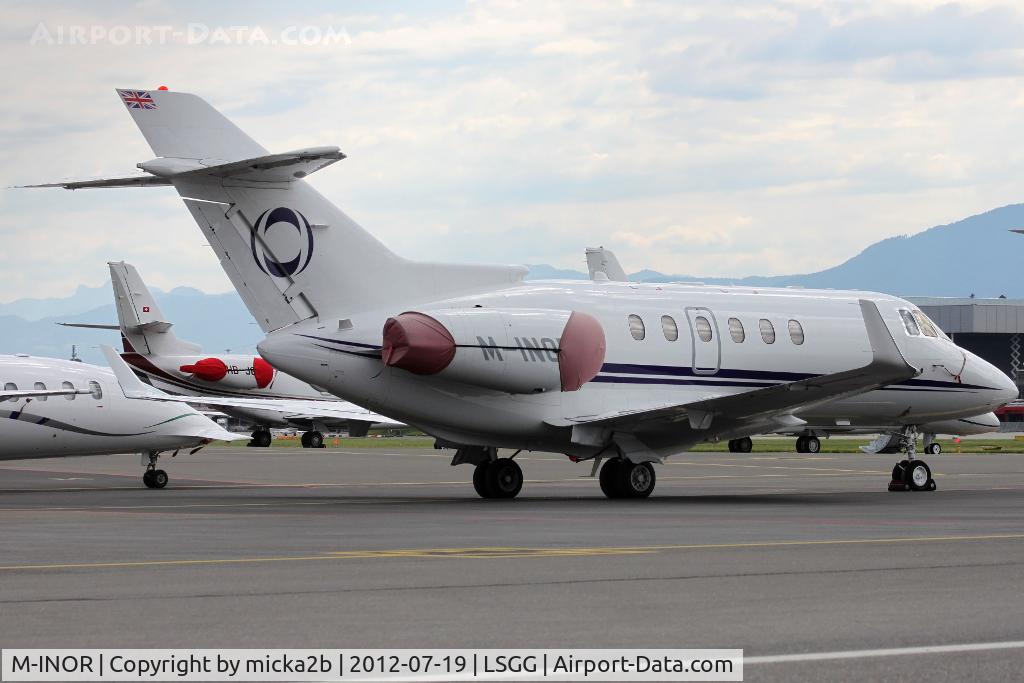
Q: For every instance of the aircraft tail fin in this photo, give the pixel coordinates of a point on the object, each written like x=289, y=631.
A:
x=144, y=327
x=290, y=253
x=184, y=126
x=602, y=264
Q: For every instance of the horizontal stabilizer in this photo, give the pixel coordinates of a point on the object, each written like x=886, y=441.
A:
x=91, y=326
x=125, y=181
x=271, y=168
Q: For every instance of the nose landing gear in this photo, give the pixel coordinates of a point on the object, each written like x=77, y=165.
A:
x=911, y=474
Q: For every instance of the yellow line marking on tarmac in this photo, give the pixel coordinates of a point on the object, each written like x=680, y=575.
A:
x=512, y=552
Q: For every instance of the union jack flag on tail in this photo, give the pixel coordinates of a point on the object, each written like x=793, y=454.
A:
x=137, y=99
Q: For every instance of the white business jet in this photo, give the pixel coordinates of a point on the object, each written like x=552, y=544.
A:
x=604, y=265
x=52, y=408
x=180, y=367
x=618, y=372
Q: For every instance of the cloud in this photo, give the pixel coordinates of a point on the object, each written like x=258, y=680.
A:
x=703, y=138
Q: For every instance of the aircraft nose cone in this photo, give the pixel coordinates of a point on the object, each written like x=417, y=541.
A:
x=1008, y=390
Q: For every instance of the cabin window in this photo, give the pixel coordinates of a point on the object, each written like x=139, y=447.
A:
x=39, y=386
x=669, y=328
x=95, y=389
x=767, y=331
x=909, y=323
x=796, y=332
x=925, y=324
x=68, y=386
x=736, y=330
x=703, y=328
x=636, y=327
x=10, y=386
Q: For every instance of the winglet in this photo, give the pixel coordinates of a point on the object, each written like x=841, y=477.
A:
x=131, y=385
x=886, y=351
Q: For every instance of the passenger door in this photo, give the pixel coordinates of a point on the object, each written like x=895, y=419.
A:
x=707, y=343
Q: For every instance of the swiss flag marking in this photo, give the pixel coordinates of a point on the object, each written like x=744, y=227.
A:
x=145, y=309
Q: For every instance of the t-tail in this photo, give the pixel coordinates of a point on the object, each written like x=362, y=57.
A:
x=289, y=252
x=144, y=328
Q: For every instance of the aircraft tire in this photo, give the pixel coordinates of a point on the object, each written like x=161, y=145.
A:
x=312, y=439
x=919, y=476
x=147, y=478
x=261, y=439
x=732, y=445
x=504, y=478
x=812, y=444
x=933, y=448
x=480, y=480
x=637, y=480
x=159, y=479
x=744, y=445
x=609, y=478
x=801, y=444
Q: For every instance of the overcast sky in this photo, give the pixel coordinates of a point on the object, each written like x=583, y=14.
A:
x=704, y=138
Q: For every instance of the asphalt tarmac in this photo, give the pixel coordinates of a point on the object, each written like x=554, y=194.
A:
x=778, y=554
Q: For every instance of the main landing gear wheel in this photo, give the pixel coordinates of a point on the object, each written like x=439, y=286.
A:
x=744, y=445
x=261, y=438
x=808, y=444
x=933, y=448
x=623, y=479
x=913, y=475
x=155, y=479
x=501, y=478
x=312, y=439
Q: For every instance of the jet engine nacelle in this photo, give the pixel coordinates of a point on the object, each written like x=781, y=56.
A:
x=519, y=351
x=234, y=372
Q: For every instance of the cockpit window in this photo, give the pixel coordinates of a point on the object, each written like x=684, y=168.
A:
x=908, y=322
x=927, y=326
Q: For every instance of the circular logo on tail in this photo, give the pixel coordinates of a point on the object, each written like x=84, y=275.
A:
x=277, y=234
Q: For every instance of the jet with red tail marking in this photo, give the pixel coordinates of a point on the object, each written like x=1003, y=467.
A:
x=244, y=386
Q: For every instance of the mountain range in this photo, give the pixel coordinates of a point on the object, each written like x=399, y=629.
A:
x=977, y=255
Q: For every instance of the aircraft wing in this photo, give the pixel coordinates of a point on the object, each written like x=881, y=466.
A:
x=776, y=404
x=133, y=387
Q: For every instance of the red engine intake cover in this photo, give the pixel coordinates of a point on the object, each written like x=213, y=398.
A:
x=417, y=343
x=263, y=371
x=582, y=353
x=209, y=369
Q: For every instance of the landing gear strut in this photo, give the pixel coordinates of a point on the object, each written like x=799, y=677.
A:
x=744, y=445
x=312, y=439
x=911, y=474
x=152, y=477
x=624, y=479
x=260, y=439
